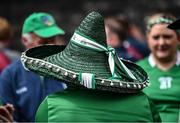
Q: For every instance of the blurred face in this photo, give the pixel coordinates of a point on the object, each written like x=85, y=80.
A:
x=39, y=41
x=162, y=42
x=33, y=40
x=112, y=38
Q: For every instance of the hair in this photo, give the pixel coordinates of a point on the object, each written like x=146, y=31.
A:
x=118, y=25
x=158, y=18
x=5, y=29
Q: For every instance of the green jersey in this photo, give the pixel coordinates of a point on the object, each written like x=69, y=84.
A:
x=164, y=89
x=96, y=106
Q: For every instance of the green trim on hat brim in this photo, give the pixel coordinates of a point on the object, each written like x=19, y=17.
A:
x=34, y=61
x=49, y=32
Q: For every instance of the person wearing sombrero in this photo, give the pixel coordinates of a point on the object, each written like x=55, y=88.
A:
x=101, y=86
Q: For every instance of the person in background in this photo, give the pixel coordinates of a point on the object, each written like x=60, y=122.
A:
x=23, y=88
x=136, y=33
x=163, y=66
x=119, y=36
x=101, y=87
x=7, y=55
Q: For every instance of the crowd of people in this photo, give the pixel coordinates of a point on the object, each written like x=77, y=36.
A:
x=105, y=73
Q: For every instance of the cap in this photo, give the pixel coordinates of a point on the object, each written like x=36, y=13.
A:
x=42, y=24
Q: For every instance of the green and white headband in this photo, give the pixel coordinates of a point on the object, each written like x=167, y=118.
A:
x=158, y=20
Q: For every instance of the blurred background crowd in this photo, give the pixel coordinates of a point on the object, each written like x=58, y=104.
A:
x=69, y=13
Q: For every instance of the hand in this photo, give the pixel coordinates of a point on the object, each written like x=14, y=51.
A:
x=6, y=113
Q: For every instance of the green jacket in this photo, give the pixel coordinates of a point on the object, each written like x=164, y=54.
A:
x=96, y=106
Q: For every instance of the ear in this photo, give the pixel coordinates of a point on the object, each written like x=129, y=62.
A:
x=26, y=40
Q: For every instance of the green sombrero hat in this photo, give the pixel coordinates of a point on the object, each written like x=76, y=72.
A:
x=87, y=61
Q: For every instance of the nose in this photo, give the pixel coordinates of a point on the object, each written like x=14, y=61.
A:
x=161, y=41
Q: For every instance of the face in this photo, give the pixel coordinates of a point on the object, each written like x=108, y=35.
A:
x=40, y=41
x=162, y=42
x=35, y=40
x=112, y=38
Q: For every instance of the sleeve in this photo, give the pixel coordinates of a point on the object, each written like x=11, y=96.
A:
x=42, y=112
x=155, y=113
x=7, y=94
x=6, y=89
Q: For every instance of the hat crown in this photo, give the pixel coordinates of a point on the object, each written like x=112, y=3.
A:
x=37, y=21
x=93, y=27
x=81, y=59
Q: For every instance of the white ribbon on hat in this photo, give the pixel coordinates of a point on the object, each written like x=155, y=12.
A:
x=87, y=79
x=113, y=58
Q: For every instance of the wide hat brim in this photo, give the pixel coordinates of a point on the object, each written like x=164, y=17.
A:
x=175, y=24
x=34, y=59
x=49, y=31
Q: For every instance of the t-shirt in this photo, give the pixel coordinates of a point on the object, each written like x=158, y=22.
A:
x=164, y=89
x=96, y=106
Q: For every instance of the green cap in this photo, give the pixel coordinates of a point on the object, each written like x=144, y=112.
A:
x=42, y=24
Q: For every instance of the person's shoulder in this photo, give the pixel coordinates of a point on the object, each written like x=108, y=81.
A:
x=142, y=96
x=142, y=61
x=15, y=64
x=55, y=97
x=13, y=67
x=139, y=94
x=58, y=93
